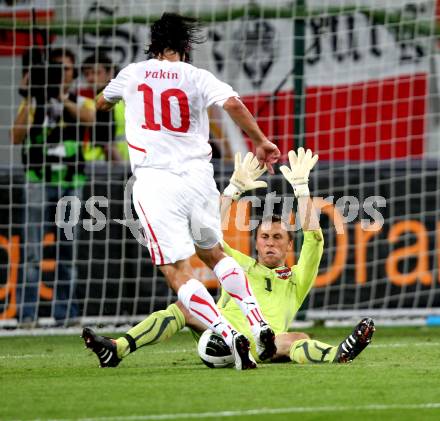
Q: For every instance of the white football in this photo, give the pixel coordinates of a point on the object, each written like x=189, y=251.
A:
x=213, y=350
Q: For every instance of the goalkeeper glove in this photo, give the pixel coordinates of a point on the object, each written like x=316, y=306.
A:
x=298, y=173
x=244, y=176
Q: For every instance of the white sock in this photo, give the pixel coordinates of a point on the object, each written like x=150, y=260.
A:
x=235, y=283
x=199, y=302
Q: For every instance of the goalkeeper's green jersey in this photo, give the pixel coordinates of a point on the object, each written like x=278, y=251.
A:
x=280, y=291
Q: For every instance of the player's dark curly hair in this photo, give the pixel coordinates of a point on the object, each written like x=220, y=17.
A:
x=176, y=32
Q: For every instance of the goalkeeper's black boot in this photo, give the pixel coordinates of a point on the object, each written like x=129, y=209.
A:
x=103, y=347
x=241, y=352
x=356, y=342
x=265, y=342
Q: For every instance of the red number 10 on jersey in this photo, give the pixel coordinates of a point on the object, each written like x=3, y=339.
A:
x=165, y=96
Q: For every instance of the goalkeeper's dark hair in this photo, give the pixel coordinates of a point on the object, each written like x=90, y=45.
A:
x=175, y=32
x=274, y=219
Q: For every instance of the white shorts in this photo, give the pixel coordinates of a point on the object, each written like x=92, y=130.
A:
x=178, y=211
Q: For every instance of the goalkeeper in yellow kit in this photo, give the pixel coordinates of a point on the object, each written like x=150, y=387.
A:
x=280, y=290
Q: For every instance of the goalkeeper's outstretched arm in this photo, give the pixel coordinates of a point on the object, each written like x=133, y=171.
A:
x=311, y=251
x=298, y=176
x=307, y=214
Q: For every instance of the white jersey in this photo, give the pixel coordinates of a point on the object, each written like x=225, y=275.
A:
x=166, y=119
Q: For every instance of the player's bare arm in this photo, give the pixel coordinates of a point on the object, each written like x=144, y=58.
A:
x=266, y=152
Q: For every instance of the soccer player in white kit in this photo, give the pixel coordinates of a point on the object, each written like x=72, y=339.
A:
x=175, y=195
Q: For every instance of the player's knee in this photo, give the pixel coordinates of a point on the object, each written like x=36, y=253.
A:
x=211, y=256
x=177, y=273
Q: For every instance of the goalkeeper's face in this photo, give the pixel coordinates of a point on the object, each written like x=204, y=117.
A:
x=273, y=244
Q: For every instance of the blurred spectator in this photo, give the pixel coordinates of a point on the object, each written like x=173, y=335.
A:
x=106, y=140
x=51, y=123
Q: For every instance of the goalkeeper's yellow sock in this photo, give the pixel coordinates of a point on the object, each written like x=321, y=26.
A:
x=157, y=327
x=309, y=351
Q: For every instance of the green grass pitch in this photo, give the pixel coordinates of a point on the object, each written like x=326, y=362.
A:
x=48, y=378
